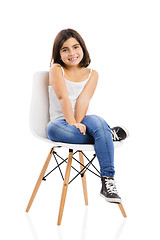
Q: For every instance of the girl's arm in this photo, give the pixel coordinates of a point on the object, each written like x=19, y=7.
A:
x=85, y=97
x=57, y=82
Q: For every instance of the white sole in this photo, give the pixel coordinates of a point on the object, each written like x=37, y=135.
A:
x=111, y=200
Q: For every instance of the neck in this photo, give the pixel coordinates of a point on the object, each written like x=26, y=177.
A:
x=72, y=68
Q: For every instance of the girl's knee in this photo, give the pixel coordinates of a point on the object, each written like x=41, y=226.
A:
x=54, y=129
x=96, y=122
x=50, y=130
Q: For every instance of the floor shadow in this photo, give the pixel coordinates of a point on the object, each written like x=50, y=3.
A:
x=120, y=230
x=32, y=228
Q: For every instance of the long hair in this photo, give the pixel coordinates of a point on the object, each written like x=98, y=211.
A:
x=63, y=36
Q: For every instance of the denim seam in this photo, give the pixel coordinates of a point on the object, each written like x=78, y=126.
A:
x=64, y=129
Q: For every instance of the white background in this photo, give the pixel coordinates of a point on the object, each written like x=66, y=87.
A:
x=123, y=40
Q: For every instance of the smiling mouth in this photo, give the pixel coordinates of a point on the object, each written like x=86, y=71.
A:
x=73, y=59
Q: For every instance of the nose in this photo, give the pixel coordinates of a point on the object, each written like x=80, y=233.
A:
x=71, y=52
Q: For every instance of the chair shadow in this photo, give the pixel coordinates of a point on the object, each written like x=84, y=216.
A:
x=120, y=230
x=83, y=230
x=84, y=227
x=32, y=227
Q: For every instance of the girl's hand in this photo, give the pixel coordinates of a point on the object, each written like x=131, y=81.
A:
x=81, y=127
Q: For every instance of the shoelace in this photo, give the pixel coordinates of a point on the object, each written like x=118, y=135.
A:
x=114, y=135
x=111, y=187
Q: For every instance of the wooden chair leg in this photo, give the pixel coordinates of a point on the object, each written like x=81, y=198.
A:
x=122, y=210
x=83, y=179
x=65, y=187
x=39, y=180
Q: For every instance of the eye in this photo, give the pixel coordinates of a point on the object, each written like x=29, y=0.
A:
x=76, y=47
x=64, y=49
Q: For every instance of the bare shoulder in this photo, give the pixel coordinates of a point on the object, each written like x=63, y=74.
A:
x=95, y=74
x=55, y=72
x=55, y=67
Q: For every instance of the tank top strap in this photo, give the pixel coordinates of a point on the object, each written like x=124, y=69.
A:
x=90, y=73
x=63, y=71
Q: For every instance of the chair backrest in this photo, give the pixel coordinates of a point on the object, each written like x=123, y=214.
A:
x=39, y=109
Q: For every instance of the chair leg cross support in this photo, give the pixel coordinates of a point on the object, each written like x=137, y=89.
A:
x=66, y=182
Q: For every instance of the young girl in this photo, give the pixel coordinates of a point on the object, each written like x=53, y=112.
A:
x=71, y=87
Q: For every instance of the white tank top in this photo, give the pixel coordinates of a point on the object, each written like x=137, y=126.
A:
x=74, y=90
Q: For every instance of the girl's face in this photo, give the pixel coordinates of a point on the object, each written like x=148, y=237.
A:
x=71, y=52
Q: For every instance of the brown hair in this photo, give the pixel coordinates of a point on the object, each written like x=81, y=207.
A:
x=63, y=36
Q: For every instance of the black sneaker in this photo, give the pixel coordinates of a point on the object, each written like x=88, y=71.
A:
x=119, y=133
x=109, y=191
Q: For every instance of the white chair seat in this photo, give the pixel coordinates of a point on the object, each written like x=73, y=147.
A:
x=80, y=147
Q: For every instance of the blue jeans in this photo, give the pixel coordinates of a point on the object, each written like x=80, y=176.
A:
x=97, y=132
